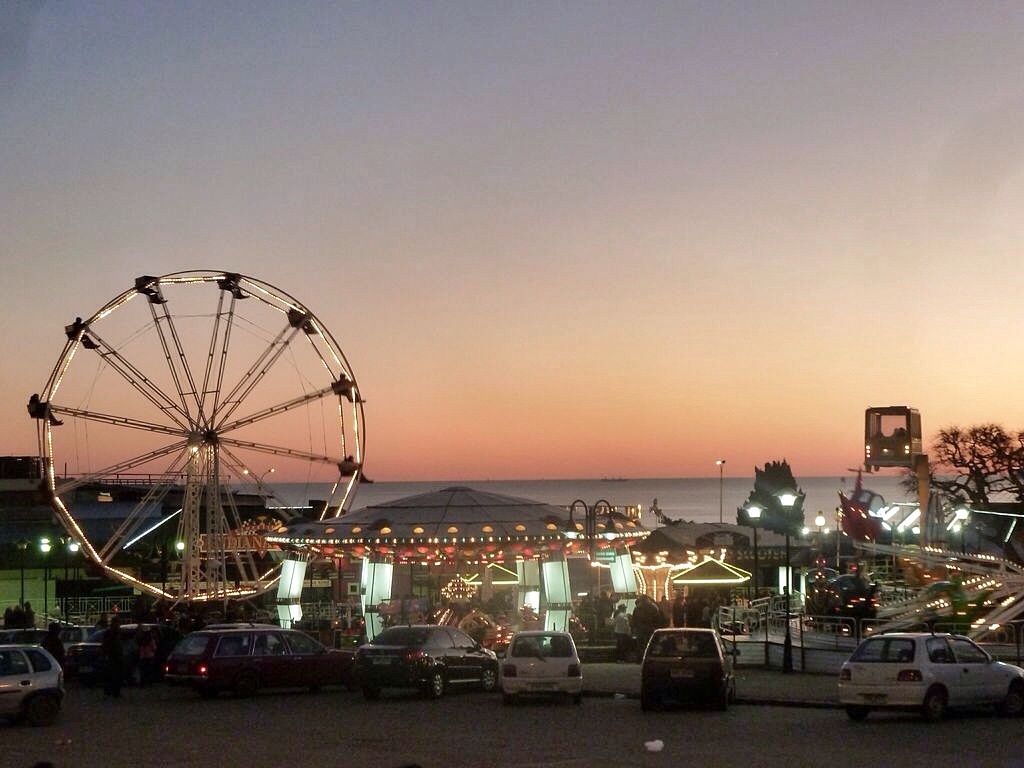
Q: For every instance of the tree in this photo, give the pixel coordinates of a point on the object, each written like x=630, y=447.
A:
x=971, y=465
x=769, y=484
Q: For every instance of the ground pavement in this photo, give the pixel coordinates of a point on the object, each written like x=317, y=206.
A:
x=754, y=685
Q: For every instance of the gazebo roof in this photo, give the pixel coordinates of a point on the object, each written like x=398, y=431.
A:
x=451, y=523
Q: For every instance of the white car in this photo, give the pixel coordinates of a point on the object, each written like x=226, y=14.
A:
x=31, y=684
x=541, y=662
x=929, y=673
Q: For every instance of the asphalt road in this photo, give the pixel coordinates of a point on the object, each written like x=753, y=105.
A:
x=171, y=727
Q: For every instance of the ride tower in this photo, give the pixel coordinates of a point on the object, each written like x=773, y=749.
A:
x=892, y=438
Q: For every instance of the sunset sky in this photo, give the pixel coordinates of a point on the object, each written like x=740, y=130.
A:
x=553, y=239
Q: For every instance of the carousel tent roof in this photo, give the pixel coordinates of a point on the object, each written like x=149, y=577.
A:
x=458, y=511
x=712, y=571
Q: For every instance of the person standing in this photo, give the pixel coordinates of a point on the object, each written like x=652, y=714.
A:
x=623, y=633
x=52, y=643
x=679, y=610
x=113, y=660
x=145, y=646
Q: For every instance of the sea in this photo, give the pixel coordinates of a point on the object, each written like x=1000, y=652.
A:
x=693, y=499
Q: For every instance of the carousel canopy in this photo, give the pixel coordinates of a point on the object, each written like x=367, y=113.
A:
x=711, y=571
x=432, y=523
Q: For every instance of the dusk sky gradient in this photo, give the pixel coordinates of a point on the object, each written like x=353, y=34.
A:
x=553, y=239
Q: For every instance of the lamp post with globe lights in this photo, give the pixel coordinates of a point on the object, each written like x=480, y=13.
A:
x=258, y=479
x=721, y=486
x=781, y=510
x=960, y=515
x=22, y=545
x=45, y=545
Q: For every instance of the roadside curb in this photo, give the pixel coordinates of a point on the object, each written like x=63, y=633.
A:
x=741, y=701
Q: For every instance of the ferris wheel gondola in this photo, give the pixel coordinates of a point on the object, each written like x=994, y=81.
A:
x=172, y=403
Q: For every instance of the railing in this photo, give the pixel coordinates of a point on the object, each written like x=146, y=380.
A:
x=823, y=643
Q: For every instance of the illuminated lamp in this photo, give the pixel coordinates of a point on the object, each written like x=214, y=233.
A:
x=453, y=529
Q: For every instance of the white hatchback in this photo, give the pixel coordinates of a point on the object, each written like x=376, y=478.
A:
x=541, y=662
x=929, y=673
x=31, y=684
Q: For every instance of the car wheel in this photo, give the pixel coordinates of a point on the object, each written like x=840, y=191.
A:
x=1013, y=704
x=42, y=709
x=489, y=680
x=857, y=713
x=435, y=685
x=934, y=706
x=370, y=693
x=246, y=685
x=723, y=700
x=647, y=701
x=577, y=698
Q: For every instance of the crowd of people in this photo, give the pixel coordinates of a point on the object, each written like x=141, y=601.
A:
x=19, y=616
x=633, y=629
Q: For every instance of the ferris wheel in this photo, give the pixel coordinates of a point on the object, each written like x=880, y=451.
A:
x=167, y=413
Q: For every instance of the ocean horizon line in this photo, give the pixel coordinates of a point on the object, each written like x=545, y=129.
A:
x=613, y=478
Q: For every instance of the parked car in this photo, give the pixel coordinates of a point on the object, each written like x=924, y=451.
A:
x=22, y=635
x=31, y=684
x=243, y=658
x=541, y=662
x=929, y=673
x=425, y=656
x=685, y=666
x=83, y=661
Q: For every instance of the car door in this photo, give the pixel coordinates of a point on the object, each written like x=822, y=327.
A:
x=15, y=679
x=274, y=660
x=983, y=681
x=231, y=658
x=464, y=663
x=946, y=669
x=308, y=659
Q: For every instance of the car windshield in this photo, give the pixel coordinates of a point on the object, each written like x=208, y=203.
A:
x=192, y=645
x=689, y=644
x=401, y=636
x=884, y=650
x=543, y=646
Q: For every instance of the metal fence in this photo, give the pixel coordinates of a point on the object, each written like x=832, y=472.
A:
x=822, y=643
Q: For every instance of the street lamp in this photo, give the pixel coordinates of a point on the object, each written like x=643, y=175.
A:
x=787, y=499
x=45, y=546
x=22, y=546
x=961, y=514
x=259, y=479
x=753, y=515
x=590, y=534
x=70, y=546
x=721, y=481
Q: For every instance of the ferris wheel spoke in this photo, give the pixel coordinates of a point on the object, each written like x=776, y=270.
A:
x=174, y=353
x=279, y=408
x=228, y=321
x=134, y=377
x=261, y=365
x=126, y=533
x=107, y=473
x=280, y=450
x=117, y=421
